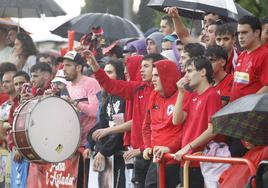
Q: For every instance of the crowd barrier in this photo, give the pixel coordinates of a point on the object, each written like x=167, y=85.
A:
x=200, y=158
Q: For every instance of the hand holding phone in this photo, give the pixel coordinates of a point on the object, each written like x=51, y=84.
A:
x=26, y=92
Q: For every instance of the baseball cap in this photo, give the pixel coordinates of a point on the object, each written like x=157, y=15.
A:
x=73, y=56
x=169, y=38
x=60, y=77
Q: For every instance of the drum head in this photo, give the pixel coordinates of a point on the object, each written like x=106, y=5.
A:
x=53, y=129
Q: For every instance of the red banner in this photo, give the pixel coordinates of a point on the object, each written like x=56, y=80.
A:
x=54, y=175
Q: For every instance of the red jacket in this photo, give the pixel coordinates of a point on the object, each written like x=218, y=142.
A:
x=15, y=104
x=158, y=129
x=3, y=98
x=139, y=92
x=133, y=64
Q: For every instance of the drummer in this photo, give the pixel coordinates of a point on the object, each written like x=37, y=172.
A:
x=84, y=92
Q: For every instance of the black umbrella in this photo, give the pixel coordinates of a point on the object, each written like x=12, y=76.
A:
x=29, y=8
x=185, y=9
x=246, y=118
x=114, y=27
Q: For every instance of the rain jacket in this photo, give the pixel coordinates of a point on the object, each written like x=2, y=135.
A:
x=157, y=38
x=139, y=92
x=158, y=129
x=133, y=64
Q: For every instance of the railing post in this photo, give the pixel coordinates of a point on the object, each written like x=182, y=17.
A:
x=162, y=174
x=162, y=167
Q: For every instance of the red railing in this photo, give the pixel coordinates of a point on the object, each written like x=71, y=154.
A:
x=200, y=158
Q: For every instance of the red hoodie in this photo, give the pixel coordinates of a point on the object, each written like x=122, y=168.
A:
x=15, y=104
x=3, y=98
x=139, y=92
x=133, y=64
x=158, y=129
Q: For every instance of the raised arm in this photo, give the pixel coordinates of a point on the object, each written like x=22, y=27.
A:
x=181, y=30
x=119, y=88
x=179, y=115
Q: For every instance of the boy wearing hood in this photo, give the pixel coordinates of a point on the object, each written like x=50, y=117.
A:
x=159, y=133
x=153, y=43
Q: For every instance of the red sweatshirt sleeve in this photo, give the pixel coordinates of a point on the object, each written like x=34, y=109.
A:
x=146, y=130
x=119, y=88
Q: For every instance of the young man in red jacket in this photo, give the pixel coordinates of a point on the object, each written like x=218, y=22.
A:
x=222, y=80
x=139, y=92
x=159, y=133
x=250, y=73
x=225, y=37
x=196, y=112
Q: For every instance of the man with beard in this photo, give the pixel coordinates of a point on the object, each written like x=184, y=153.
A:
x=84, y=92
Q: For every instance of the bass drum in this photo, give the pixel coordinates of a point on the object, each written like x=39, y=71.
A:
x=46, y=130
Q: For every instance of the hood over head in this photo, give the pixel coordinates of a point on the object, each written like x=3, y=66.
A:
x=133, y=64
x=157, y=37
x=169, y=75
x=139, y=46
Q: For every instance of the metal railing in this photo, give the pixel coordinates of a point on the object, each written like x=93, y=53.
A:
x=200, y=158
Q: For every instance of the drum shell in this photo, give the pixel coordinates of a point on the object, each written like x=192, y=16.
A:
x=26, y=122
x=20, y=132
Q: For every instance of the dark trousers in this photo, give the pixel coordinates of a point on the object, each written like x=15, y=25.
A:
x=172, y=176
x=196, y=179
x=140, y=170
x=119, y=172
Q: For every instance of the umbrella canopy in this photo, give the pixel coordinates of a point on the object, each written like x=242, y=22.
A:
x=114, y=27
x=30, y=8
x=195, y=9
x=246, y=118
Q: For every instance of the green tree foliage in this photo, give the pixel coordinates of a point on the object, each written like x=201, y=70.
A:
x=258, y=7
x=111, y=6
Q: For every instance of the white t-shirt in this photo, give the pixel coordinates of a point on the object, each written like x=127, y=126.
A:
x=31, y=60
x=5, y=54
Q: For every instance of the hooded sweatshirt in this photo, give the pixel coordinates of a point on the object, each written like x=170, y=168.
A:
x=139, y=45
x=158, y=129
x=137, y=91
x=133, y=64
x=157, y=38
